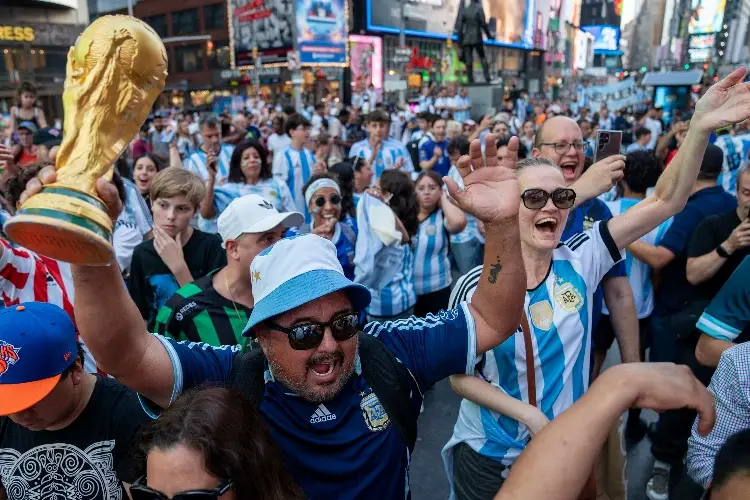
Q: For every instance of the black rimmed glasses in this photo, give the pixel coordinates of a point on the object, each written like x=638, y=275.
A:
x=536, y=198
x=309, y=335
x=562, y=148
x=139, y=491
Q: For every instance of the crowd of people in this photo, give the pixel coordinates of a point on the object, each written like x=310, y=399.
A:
x=287, y=284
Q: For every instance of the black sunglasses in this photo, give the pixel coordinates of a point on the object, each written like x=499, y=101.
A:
x=309, y=335
x=536, y=198
x=320, y=201
x=139, y=491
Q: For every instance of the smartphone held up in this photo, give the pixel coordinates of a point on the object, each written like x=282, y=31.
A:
x=608, y=143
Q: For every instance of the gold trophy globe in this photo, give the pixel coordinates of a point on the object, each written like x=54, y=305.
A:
x=115, y=72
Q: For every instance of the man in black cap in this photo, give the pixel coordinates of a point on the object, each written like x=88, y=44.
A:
x=47, y=141
x=676, y=311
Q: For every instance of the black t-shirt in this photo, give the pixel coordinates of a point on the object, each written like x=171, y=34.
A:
x=88, y=459
x=712, y=232
x=151, y=283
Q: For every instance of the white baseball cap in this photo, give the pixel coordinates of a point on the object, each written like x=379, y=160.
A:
x=295, y=271
x=253, y=214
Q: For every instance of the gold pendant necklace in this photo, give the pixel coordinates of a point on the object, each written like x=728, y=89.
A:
x=231, y=296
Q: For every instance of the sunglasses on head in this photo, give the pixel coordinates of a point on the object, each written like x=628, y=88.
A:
x=320, y=201
x=139, y=491
x=536, y=198
x=309, y=335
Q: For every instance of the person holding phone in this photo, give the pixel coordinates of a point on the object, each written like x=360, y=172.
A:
x=212, y=154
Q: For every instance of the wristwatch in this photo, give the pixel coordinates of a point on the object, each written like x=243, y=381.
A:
x=723, y=252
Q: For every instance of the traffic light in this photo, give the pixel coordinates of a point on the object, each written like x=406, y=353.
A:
x=643, y=69
x=705, y=66
x=687, y=67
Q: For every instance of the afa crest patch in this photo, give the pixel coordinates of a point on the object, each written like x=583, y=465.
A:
x=374, y=414
x=568, y=297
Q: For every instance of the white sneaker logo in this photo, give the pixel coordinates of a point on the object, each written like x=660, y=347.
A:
x=322, y=415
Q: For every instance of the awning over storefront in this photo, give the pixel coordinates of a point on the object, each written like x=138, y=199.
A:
x=672, y=78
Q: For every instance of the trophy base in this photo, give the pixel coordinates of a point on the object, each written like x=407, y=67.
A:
x=64, y=224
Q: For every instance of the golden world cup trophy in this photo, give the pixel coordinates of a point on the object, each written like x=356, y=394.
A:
x=115, y=72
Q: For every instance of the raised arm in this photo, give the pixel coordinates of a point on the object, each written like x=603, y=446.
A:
x=566, y=449
x=492, y=195
x=122, y=348
x=725, y=103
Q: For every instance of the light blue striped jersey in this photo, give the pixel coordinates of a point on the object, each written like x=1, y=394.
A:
x=432, y=269
x=196, y=163
x=735, y=149
x=135, y=213
x=559, y=313
x=471, y=231
x=398, y=295
x=639, y=273
x=390, y=152
x=272, y=190
x=294, y=168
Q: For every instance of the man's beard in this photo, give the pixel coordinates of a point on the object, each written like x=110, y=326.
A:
x=322, y=394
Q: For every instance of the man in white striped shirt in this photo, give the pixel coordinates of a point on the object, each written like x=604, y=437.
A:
x=381, y=152
x=212, y=153
x=295, y=164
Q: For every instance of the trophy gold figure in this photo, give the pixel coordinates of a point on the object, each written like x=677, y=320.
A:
x=115, y=72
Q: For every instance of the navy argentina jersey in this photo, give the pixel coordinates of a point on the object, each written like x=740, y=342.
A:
x=559, y=313
x=346, y=447
x=728, y=313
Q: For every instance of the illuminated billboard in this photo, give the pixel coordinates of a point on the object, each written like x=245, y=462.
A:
x=706, y=16
x=366, y=61
x=263, y=24
x=509, y=21
x=606, y=38
x=701, y=47
x=321, y=31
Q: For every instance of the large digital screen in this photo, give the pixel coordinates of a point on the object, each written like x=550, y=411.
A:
x=321, y=31
x=509, y=21
x=700, y=47
x=265, y=24
x=706, y=16
x=606, y=38
x=366, y=61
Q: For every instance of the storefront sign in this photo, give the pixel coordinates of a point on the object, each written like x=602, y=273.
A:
x=512, y=21
x=265, y=24
x=321, y=31
x=366, y=61
x=418, y=62
x=700, y=47
x=62, y=35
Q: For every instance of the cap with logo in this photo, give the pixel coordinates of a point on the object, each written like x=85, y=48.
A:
x=295, y=271
x=48, y=136
x=30, y=126
x=37, y=343
x=253, y=214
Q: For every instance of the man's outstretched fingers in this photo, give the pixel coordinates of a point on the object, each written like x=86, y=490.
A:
x=475, y=153
x=463, y=165
x=490, y=150
x=511, y=157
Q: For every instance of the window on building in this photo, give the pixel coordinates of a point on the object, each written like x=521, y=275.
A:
x=189, y=58
x=185, y=22
x=159, y=23
x=219, y=57
x=215, y=16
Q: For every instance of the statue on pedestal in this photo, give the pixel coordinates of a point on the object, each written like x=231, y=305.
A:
x=469, y=27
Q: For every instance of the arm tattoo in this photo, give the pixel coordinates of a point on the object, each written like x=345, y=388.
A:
x=494, y=271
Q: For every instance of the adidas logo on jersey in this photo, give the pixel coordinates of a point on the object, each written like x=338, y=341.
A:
x=322, y=415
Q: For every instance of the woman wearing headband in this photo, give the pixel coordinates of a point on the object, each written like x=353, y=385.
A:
x=323, y=200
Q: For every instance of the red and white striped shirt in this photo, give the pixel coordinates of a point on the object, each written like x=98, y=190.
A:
x=28, y=277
